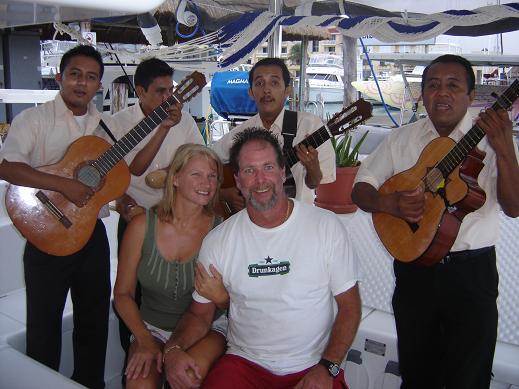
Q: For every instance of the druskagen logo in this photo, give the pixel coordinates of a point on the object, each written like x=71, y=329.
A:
x=269, y=267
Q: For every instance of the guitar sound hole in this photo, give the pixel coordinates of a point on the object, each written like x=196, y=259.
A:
x=89, y=176
x=413, y=226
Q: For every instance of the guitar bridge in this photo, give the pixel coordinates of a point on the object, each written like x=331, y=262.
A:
x=53, y=209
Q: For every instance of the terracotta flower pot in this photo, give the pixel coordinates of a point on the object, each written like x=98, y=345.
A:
x=336, y=196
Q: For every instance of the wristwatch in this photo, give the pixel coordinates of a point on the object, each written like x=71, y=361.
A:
x=332, y=367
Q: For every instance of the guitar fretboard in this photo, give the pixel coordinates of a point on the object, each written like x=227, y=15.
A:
x=123, y=146
x=470, y=140
x=315, y=140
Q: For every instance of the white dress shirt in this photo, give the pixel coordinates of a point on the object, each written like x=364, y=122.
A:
x=186, y=131
x=400, y=151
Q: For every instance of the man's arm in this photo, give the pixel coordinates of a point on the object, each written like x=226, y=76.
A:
x=341, y=337
x=144, y=157
x=498, y=128
x=193, y=325
x=407, y=205
x=20, y=173
x=345, y=325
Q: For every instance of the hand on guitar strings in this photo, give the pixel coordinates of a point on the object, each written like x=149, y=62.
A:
x=410, y=205
x=308, y=156
x=76, y=192
x=174, y=116
x=498, y=127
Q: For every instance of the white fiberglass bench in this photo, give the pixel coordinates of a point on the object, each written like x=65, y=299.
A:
x=373, y=361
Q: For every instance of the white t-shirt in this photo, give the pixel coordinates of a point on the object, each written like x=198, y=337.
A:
x=307, y=124
x=186, y=131
x=281, y=283
x=400, y=151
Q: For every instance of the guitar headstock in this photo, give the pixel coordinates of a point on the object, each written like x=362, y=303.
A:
x=350, y=117
x=189, y=87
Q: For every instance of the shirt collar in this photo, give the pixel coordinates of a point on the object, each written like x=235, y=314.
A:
x=464, y=125
x=62, y=109
x=278, y=123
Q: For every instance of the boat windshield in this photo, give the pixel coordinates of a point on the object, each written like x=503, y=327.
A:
x=321, y=76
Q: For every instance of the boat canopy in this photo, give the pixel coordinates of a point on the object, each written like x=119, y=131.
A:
x=229, y=94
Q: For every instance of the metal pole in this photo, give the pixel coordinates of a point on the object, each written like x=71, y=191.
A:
x=349, y=59
x=274, y=45
x=302, y=73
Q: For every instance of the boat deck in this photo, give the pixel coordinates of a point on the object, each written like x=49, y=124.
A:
x=371, y=363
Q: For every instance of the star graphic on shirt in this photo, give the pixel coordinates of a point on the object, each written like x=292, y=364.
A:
x=268, y=259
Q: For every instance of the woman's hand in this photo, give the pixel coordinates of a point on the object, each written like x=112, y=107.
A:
x=146, y=352
x=211, y=286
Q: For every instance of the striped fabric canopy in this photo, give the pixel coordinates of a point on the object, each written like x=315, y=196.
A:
x=233, y=44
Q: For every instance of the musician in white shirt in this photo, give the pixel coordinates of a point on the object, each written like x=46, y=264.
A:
x=269, y=81
x=41, y=136
x=446, y=314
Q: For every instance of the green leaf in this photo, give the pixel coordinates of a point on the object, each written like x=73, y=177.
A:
x=347, y=154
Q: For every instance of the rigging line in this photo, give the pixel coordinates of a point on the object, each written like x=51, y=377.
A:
x=220, y=8
x=376, y=83
x=130, y=82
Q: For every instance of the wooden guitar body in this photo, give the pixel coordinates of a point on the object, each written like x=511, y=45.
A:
x=445, y=206
x=40, y=226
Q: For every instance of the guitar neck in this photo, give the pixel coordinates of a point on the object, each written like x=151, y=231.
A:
x=315, y=140
x=123, y=146
x=471, y=139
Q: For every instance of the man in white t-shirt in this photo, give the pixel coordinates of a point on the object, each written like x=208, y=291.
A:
x=291, y=276
x=269, y=81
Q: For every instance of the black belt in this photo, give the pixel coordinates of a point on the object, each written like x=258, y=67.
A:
x=460, y=256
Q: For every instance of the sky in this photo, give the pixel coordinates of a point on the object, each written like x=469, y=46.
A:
x=470, y=45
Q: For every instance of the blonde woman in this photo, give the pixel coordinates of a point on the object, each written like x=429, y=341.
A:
x=159, y=249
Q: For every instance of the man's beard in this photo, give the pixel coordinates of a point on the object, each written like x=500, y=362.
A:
x=262, y=207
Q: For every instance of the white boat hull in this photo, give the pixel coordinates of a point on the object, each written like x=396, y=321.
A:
x=326, y=95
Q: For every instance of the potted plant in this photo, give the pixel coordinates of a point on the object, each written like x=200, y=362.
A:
x=336, y=196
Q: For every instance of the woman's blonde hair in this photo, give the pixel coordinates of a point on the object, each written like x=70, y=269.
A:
x=183, y=155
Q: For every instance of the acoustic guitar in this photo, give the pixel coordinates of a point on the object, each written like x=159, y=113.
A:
x=57, y=226
x=345, y=120
x=447, y=172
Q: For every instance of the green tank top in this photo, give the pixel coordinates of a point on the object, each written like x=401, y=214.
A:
x=166, y=286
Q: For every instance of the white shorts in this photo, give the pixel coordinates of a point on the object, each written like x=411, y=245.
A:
x=219, y=325
x=161, y=335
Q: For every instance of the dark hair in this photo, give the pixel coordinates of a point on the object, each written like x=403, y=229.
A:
x=271, y=62
x=84, y=50
x=450, y=58
x=149, y=69
x=254, y=134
